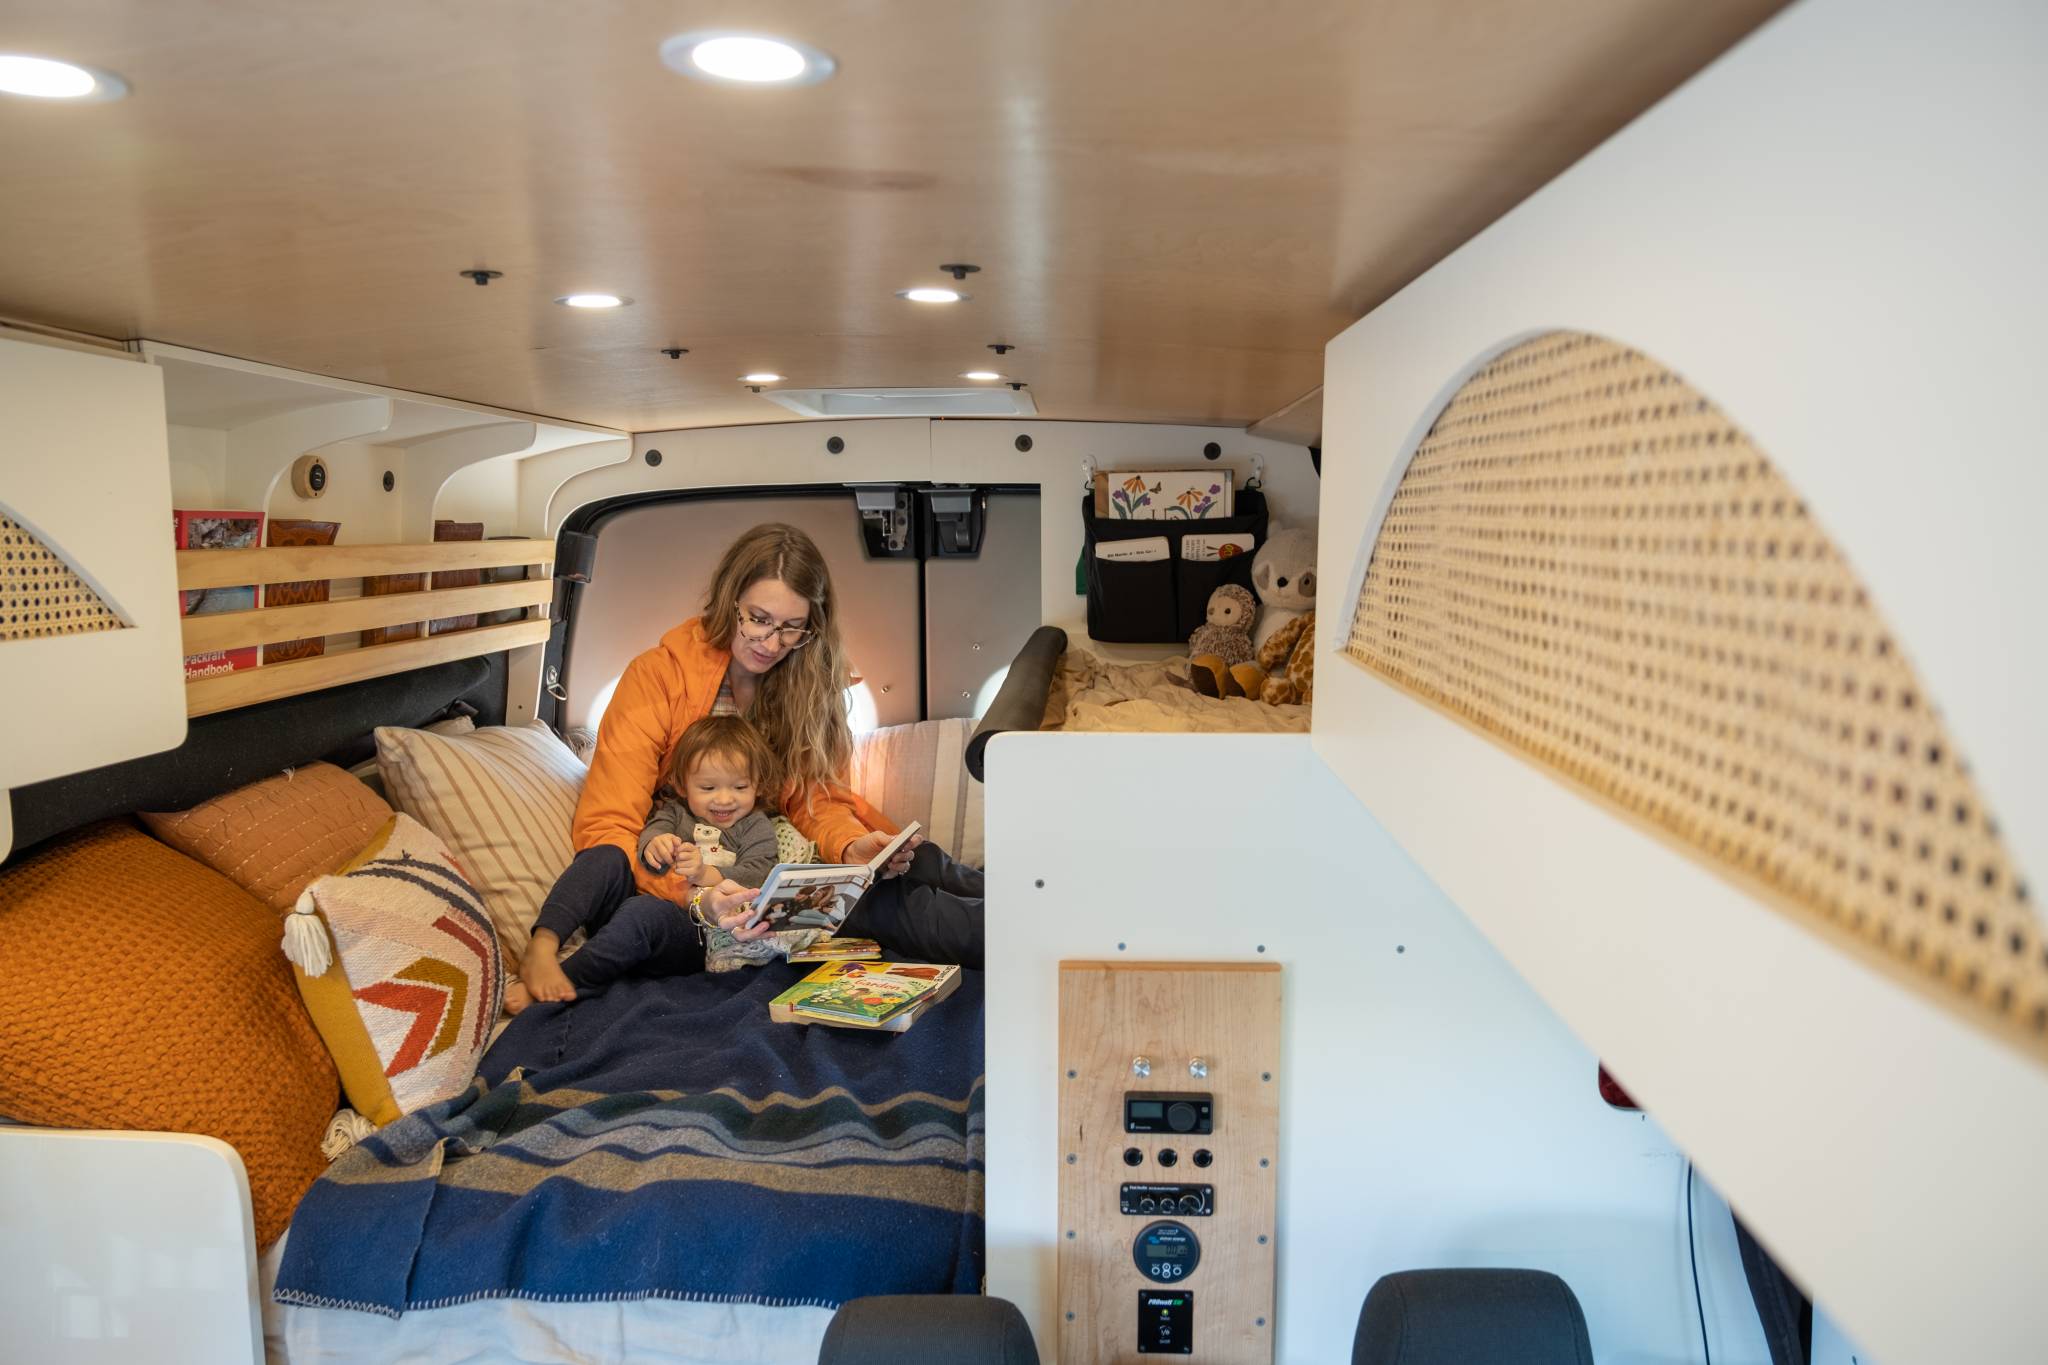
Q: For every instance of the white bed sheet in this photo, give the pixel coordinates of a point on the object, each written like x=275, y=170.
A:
x=658, y=1331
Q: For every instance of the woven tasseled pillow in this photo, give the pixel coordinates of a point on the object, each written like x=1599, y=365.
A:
x=272, y=837
x=144, y=991
x=413, y=981
x=502, y=798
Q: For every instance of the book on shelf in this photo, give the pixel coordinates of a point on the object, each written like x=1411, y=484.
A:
x=380, y=585
x=820, y=895
x=297, y=531
x=196, y=529
x=878, y=996
x=455, y=578
x=1163, y=494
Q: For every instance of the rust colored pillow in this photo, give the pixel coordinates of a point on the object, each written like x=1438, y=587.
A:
x=146, y=992
x=272, y=837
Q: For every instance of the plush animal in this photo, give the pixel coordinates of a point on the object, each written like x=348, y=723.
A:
x=1289, y=662
x=1228, y=631
x=1284, y=575
x=710, y=841
x=1220, y=650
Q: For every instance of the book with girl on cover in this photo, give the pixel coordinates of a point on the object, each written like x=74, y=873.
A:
x=820, y=895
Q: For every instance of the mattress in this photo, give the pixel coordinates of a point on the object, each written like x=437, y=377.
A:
x=652, y=1330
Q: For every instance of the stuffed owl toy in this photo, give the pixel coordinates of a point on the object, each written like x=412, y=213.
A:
x=1227, y=633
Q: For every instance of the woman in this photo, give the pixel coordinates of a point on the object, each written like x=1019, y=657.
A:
x=767, y=647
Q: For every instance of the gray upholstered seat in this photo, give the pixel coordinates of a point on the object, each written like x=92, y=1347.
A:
x=890, y=1329
x=1471, y=1317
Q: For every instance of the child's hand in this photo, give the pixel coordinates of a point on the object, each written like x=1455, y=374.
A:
x=688, y=862
x=663, y=849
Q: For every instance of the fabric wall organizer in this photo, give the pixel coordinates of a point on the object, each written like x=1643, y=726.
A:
x=1592, y=565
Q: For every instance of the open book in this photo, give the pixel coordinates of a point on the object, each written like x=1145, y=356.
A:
x=820, y=895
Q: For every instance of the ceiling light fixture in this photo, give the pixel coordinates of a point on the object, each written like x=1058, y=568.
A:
x=746, y=59
x=981, y=376
x=761, y=377
x=43, y=78
x=592, y=301
x=931, y=295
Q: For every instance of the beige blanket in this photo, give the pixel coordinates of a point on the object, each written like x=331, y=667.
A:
x=1089, y=694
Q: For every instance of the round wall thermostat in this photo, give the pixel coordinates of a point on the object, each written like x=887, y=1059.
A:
x=309, y=476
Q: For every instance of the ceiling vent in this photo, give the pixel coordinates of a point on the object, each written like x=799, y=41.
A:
x=980, y=401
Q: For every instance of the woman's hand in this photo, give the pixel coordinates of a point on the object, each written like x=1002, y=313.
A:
x=731, y=907
x=873, y=842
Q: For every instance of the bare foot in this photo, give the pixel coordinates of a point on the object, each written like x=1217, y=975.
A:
x=543, y=974
x=517, y=997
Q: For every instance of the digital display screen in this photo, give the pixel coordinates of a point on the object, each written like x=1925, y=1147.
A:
x=1173, y=1250
x=1147, y=1109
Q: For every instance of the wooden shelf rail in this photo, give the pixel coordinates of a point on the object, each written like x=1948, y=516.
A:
x=272, y=625
x=292, y=563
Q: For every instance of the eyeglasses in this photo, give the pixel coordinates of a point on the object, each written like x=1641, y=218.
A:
x=756, y=630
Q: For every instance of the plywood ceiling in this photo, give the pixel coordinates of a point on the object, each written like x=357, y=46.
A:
x=1175, y=202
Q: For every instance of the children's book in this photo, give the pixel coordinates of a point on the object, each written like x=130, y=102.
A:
x=885, y=996
x=838, y=950
x=1163, y=494
x=196, y=530
x=820, y=895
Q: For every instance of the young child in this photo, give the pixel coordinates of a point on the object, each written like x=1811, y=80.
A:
x=721, y=768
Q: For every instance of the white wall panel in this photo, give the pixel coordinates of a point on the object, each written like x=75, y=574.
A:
x=1829, y=234
x=84, y=465
x=1433, y=1111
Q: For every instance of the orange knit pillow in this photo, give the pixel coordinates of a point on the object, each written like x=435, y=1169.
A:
x=272, y=837
x=145, y=992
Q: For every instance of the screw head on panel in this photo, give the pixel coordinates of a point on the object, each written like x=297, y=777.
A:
x=1141, y=1067
x=1198, y=1067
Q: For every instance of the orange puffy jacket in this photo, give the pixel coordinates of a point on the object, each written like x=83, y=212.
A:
x=661, y=693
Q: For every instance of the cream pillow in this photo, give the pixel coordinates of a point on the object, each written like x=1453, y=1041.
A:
x=502, y=798
x=919, y=772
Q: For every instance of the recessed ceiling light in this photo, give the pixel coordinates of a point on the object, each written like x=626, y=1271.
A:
x=982, y=375
x=761, y=377
x=44, y=79
x=593, y=301
x=746, y=59
x=931, y=295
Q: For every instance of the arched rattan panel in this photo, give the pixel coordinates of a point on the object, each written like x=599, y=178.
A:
x=1591, y=564
x=41, y=595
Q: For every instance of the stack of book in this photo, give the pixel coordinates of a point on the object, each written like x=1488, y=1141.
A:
x=886, y=996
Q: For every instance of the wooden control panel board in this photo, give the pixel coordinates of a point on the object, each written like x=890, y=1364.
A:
x=1225, y=1016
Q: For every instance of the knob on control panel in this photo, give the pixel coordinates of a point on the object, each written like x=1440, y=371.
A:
x=1181, y=1117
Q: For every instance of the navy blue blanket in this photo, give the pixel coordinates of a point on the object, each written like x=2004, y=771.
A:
x=665, y=1140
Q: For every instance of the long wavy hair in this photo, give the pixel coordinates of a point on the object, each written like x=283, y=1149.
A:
x=800, y=705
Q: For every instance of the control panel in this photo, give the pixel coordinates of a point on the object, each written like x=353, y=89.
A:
x=1148, y=1111
x=1189, y=1201
x=1169, y=1131
x=1166, y=1323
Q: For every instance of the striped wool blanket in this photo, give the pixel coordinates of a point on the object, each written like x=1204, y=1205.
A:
x=665, y=1140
